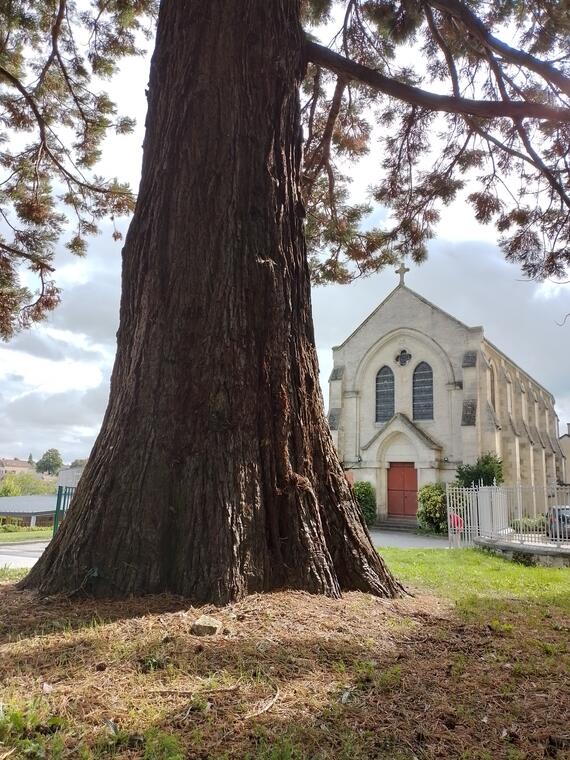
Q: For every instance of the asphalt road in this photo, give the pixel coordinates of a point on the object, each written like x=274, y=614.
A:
x=26, y=554
x=21, y=555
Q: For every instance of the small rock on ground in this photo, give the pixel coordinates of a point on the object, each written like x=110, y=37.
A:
x=206, y=626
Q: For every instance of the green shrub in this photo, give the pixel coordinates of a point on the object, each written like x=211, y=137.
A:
x=488, y=469
x=8, y=486
x=529, y=524
x=9, y=520
x=432, y=508
x=26, y=484
x=13, y=528
x=366, y=498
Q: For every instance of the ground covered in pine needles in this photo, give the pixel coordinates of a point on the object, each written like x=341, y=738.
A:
x=480, y=669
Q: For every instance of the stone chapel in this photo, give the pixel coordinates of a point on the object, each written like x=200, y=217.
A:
x=414, y=392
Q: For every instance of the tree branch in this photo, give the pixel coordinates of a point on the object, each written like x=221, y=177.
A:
x=42, y=127
x=486, y=109
x=323, y=150
x=477, y=28
x=54, y=39
x=456, y=91
x=37, y=260
x=523, y=134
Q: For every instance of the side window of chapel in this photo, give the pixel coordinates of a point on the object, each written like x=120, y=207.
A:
x=423, y=392
x=384, y=394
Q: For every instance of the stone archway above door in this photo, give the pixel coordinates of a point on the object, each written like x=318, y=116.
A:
x=421, y=445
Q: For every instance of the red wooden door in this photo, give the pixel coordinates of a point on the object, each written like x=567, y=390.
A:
x=402, y=489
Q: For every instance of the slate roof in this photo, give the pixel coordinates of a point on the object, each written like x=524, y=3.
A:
x=469, y=359
x=27, y=505
x=469, y=412
x=334, y=418
x=336, y=374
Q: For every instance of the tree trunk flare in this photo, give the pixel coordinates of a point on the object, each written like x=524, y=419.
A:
x=214, y=474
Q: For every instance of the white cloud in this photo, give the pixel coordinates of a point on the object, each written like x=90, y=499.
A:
x=67, y=420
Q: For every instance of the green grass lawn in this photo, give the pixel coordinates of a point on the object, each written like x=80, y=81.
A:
x=39, y=534
x=492, y=592
x=463, y=574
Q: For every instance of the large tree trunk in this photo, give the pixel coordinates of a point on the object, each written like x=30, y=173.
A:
x=214, y=475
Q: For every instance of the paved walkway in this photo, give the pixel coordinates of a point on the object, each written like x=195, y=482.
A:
x=26, y=554
x=402, y=540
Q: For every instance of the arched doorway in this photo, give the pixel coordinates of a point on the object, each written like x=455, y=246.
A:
x=397, y=459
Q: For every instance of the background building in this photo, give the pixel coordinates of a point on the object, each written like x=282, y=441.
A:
x=414, y=392
x=14, y=467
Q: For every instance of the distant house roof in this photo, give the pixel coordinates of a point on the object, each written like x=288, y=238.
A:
x=27, y=505
x=14, y=463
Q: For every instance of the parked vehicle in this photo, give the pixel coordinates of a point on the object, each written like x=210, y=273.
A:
x=558, y=522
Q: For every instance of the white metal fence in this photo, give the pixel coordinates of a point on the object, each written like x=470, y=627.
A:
x=514, y=514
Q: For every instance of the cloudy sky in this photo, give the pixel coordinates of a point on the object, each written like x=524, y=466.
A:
x=54, y=379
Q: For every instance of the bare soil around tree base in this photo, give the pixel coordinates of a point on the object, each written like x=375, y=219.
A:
x=291, y=676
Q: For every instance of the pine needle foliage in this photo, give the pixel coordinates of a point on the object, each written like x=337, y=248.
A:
x=54, y=114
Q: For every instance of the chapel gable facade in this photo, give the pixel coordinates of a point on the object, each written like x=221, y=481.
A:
x=414, y=392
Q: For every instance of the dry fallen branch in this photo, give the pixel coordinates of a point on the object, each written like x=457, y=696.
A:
x=197, y=692
x=264, y=706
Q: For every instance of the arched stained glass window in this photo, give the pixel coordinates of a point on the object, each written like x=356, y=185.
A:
x=423, y=392
x=384, y=394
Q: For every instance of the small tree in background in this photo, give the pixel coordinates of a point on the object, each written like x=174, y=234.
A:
x=78, y=463
x=432, y=508
x=366, y=498
x=50, y=463
x=30, y=459
x=488, y=470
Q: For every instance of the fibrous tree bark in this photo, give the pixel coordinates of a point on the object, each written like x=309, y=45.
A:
x=214, y=474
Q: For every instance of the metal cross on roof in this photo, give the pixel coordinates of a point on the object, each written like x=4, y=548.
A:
x=402, y=272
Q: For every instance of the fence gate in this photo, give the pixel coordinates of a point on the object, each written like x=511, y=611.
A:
x=462, y=515
x=509, y=514
x=64, y=496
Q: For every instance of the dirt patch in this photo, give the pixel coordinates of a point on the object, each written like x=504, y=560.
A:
x=290, y=676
